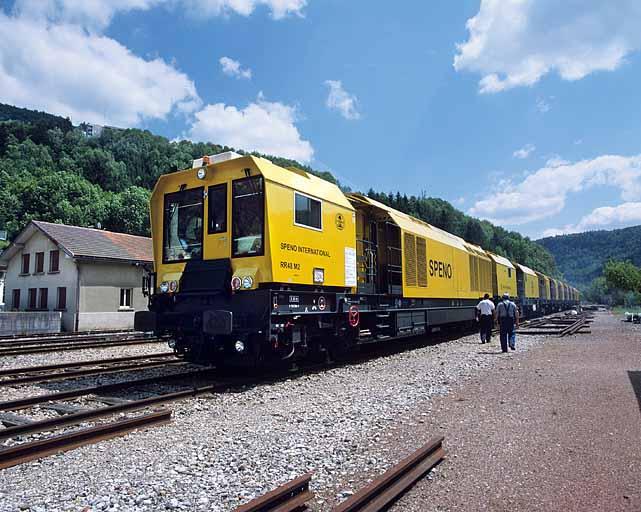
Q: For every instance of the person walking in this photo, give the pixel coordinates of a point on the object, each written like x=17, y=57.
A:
x=485, y=318
x=508, y=318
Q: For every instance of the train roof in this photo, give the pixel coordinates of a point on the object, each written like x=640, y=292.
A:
x=419, y=227
x=501, y=260
x=296, y=179
x=526, y=270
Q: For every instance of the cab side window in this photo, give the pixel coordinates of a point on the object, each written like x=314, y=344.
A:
x=217, y=218
x=307, y=211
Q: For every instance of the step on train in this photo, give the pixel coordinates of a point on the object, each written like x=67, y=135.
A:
x=255, y=263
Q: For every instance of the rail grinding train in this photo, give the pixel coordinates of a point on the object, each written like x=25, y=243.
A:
x=256, y=263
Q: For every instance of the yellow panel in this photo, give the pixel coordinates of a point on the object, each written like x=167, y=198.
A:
x=297, y=250
x=531, y=282
x=503, y=276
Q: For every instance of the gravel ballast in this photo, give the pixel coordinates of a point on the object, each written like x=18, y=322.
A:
x=346, y=424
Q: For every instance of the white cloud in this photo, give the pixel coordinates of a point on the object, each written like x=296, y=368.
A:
x=232, y=68
x=67, y=71
x=543, y=193
x=625, y=214
x=339, y=99
x=524, y=152
x=542, y=105
x=263, y=126
x=97, y=14
x=514, y=43
x=279, y=8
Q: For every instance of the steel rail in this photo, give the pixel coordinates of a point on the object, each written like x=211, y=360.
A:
x=101, y=412
x=286, y=498
x=15, y=351
x=26, y=452
x=89, y=371
x=10, y=372
x=44, y=335
x=388, y=487
x=64, y=341
x=21, y=403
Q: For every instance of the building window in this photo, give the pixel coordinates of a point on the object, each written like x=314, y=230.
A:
x=43, y=300
x=40, y=262
x=217, y=197
x=32, y=298
x=26, y=260
x=62, y=298
x=248, y=216
x=125, y=298
x=307, y=211
x=54, y=261
x=15, y=303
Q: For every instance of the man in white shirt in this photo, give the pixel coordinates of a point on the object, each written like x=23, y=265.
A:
x=485, y=317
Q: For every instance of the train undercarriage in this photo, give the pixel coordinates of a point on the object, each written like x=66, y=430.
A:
x=275, y=325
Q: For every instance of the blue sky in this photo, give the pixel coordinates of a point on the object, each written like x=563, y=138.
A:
x=520, y=112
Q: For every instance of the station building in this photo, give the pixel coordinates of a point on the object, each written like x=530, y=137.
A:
x=90, y=277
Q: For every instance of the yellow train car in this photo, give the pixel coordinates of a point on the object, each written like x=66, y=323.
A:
x=544, y=286
x=503, y=276
x=528, y=289
x=269, y=223
x=428, y=267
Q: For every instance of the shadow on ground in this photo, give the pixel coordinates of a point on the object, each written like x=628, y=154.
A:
x=635, y=380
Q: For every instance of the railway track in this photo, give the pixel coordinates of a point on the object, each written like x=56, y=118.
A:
x=71, y=414
x=374, y=497
x=20, y=347
x=557, y=325
x=53, y=372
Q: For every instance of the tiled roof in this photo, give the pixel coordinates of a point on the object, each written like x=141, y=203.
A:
x=96, y=243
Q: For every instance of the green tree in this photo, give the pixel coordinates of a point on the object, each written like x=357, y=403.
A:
x=622, y=275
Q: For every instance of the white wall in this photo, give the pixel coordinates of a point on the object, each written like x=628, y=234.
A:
x=100, y=285
x=65, y=277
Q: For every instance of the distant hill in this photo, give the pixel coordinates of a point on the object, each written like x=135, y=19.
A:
x=580, y=257
x=52, y=171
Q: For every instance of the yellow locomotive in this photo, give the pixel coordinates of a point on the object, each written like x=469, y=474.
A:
x=254, y=262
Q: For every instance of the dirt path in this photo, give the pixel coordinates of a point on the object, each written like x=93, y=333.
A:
x=556, y=428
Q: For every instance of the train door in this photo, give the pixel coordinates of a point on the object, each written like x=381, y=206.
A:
x=390, y=268
x=217, y=236
x=366, y=253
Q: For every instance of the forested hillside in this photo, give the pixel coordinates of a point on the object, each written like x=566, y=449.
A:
x=581, y=257
x=51, y=171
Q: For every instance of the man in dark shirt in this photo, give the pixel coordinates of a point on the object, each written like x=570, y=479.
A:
x=507, y=315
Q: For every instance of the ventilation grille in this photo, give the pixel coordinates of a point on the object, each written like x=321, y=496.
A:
x=410, y=259
x=421, y=257
x=474, y=273
x=485, y=275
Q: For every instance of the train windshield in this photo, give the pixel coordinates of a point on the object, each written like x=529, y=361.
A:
x=248, y=207
x=183, y=225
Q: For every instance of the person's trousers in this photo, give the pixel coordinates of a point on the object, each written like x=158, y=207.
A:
x=485, y=325
x=507, y=333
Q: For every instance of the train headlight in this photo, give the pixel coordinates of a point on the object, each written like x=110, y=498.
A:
x=171, y=343
x=247, y=282
x=164, y=287
x=173, y=285
x=239, y=346
x=236, y=283
x=201, y=173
